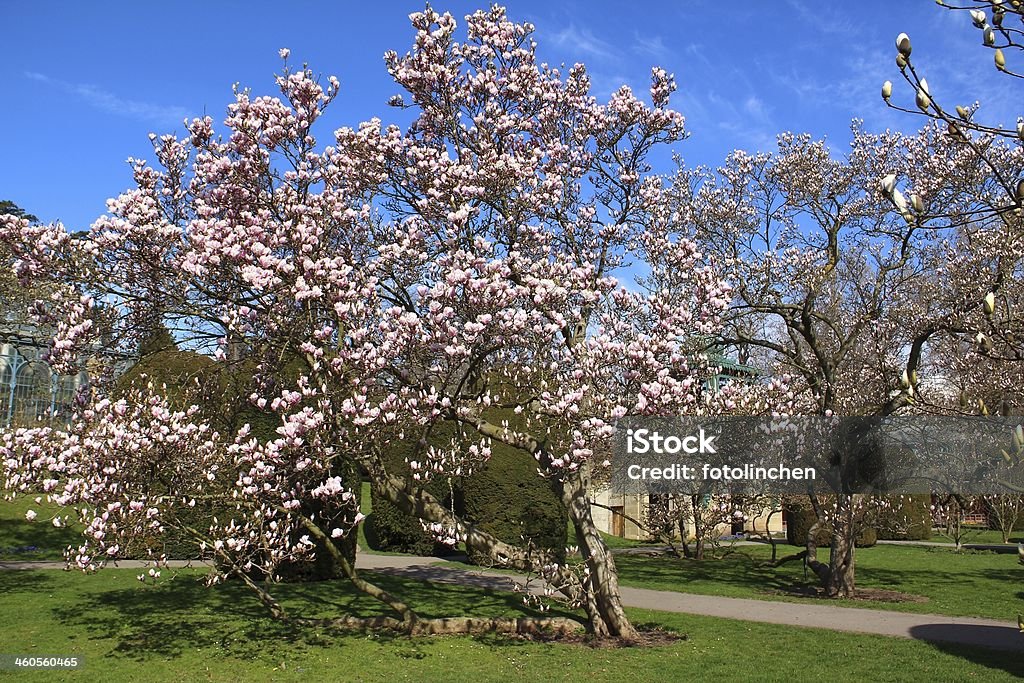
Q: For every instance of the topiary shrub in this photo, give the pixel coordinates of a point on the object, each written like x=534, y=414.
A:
x=509, y=500
x=908, y=519
x=389, y=529
x=800, y=518
x=866, y=538
x=221, y=392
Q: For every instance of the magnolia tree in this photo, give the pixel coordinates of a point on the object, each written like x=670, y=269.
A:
x=1005, y=511
x=987, y=364
x=841, y=288
x=478, y=261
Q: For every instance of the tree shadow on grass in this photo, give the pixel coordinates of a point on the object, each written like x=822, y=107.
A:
x=741, y=575
x=994, y=647
x=736, y=570
x=15, y=581
x=180, y=615
x=21, y=540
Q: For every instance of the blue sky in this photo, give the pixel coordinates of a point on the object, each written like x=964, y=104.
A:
x=84, y=83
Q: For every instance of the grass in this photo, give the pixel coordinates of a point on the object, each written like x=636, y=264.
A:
x=985, y=536
x=38, y=540
x=126, y=631
x=965, y=584
x=980, y=584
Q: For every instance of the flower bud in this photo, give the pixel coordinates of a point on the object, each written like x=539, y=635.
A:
x=901, y=62
x=1020, y=127
x=978, y=17
x=1000, y=60
x=903, y=44
x=923, y=101
x=990, y=303
x=905, y=380
x=962, y=112
x=917, y=203
x=887, y=90
x=889, y=184
x=901, y=205
x=988, y=36
x=984, y=343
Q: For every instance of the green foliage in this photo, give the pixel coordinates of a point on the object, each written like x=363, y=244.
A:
x=909, y=519
x=221, y=391
x=7, y=206
x=800, y=519
x=389, y=529
x=509, y=500
x=504, y=497
x=159, y=339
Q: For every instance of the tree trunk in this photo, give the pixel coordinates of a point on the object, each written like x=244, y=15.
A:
x=841, y=574
x=684, y=535
x=601, y=600
x=699, y=528
x=840, y=581
x=605, y=614
x=820, y=569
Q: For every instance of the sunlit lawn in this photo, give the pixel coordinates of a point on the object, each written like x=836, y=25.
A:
x=38, y=540
x=181, y=630
x=971, y=583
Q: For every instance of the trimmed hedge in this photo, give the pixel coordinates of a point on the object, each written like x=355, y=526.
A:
x=508, y=499
x=800, y=518
x=221, y=391
x=909, y=519
x=505, y=497
x=389, y=529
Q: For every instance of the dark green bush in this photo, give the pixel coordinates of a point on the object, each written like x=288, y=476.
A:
x=800, y=517
x=909, y=519
x=221, y=391
x=389, y=529
x=508, y=499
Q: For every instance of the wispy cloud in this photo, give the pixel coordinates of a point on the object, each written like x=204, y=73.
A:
x=824, y=17
x=854, y=90
x=96, y=97
x=651, y=46
x=582, y=41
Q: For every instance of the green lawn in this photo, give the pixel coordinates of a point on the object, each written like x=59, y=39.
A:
x=965, y=584
x=987, y=536
x=178, y=629
x=38, y=540
x=981, y=584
